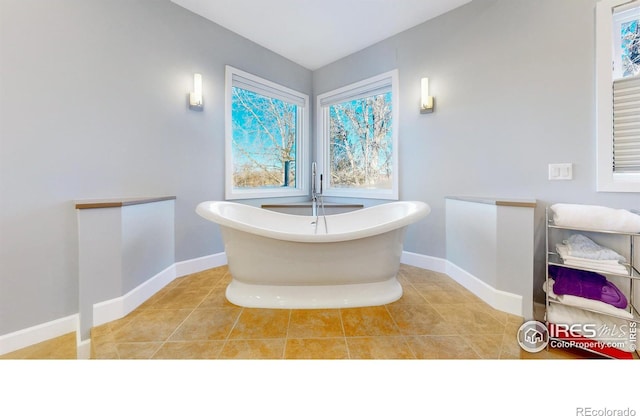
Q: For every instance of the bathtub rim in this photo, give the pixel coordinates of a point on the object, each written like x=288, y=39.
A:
x=212, y=211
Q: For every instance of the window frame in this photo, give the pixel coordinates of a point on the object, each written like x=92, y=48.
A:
x=360, y=89
x=607, y=179
x=254, y=83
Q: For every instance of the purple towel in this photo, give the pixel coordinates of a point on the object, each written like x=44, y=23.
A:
x=586, y=284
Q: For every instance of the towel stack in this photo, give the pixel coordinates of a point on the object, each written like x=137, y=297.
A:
x=581, y=295
x=580, y=251
x=594, y=217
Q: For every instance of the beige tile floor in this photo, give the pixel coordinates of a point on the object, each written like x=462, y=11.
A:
x=436, y=318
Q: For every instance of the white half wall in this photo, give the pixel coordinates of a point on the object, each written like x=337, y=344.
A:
x=490, y=241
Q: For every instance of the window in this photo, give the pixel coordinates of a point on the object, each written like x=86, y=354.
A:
x=357, y=138
x=266, y=137
x=618, y=95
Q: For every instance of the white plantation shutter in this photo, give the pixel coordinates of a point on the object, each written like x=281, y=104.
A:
x=626, y=125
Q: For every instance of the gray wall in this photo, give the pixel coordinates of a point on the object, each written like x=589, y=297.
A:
x=514, y=85
x=93, y=104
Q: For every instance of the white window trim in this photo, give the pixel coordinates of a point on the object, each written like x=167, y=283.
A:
x=355, y=90
x=268, y=88
x=607, y=180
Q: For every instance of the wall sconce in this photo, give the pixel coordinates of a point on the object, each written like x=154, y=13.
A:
x=426, y=101
x=196, y=102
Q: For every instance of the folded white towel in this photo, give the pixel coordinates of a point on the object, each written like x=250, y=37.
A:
x=594, y=217
x=611, y=266
x=579, y=245
x=618, y=269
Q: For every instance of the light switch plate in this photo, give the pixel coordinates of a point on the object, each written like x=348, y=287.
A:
x=560, y=171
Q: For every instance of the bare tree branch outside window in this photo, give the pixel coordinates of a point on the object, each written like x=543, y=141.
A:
x=264, y=140
x=630, y=42
x=360, y=144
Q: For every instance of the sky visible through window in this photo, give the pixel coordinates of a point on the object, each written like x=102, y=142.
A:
x=360, y=143
x=630, y=44
x=264, y=140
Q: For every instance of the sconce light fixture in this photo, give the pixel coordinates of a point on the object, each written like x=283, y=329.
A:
x=426, y=101
x=195, y=97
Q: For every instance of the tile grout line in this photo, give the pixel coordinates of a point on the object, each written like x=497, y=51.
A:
x=140, y=309
x=286, y=337
x=226, y=339
x=401, y=334
x=186, y=318
x=410, y=283
x=458, y=334
x=404, y=336
x=344, y=334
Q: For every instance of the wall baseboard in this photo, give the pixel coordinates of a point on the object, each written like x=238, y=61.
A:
x=423, y=261
x=117, y=308
x=498, y=299
x=199, y=264
x=39, y=333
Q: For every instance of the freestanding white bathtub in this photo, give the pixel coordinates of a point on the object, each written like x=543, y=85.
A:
x=287, y=261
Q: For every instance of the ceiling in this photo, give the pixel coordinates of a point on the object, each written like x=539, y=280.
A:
x=314, y=33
